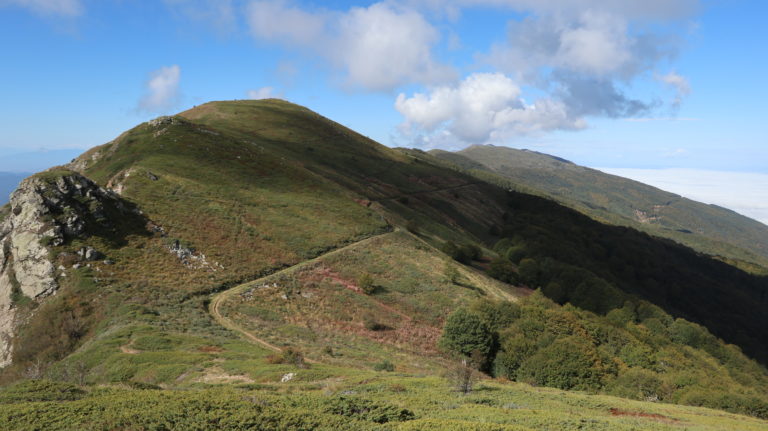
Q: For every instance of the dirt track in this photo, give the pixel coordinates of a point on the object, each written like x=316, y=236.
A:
x=215, y=306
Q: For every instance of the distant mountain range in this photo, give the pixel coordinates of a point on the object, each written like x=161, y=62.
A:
x=709, y=228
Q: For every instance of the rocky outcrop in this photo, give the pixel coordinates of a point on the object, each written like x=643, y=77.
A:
x=191, y=258
x=117, y=182
x=47, y=210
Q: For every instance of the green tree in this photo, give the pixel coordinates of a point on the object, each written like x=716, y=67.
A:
x=567, y=363
x=638, y=383
x=514, y=350
x=528, y=270
x=496, y=314
x=464, y=254
x=471, y=252
x=503, y=270
x=465, y=332
x=685, y=332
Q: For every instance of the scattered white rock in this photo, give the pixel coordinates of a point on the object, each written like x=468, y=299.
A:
x=189, y=257
x=90, y=254
x=287, y=377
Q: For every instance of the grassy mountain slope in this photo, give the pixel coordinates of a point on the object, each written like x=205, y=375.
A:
x=234, y=205
x=406, y=188
x=708, y=228
x=321, y=305
x=330, y=244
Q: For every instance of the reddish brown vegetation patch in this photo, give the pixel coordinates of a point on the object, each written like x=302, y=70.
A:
x=406, y=333
x=323, y=272
x=409, y=336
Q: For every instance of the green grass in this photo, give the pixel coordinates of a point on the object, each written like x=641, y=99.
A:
x=300, y=405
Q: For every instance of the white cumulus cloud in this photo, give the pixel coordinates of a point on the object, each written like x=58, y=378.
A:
x=483, y=107
x=581, y=56
x=162, y=89
x=50, y=7
x=379, y=47
x=263, y=93
x=592, y=43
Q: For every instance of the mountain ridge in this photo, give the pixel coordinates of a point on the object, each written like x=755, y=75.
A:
x=617, y=200
x=276, y=202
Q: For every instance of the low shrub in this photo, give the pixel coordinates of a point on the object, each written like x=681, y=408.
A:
x=464, y=254
x=289, y=356
x=384, y=365
x=40, y=390
x=143, y=386
x=372, y=325
x=463, y=374
x=366, y=285
x=639, y=384
x=367, y=410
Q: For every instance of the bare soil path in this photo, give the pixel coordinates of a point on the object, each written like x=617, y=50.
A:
x=215, y=306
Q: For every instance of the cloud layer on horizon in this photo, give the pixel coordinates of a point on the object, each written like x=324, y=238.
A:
x=743, y=192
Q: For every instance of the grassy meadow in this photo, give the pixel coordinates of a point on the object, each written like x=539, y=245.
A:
x=357, y=401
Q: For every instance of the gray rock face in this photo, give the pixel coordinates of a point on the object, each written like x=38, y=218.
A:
x=44, y=213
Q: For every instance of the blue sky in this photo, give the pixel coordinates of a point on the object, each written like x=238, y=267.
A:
x=645, y=84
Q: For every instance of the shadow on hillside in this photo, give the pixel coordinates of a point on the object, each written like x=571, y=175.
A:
x=598, y=267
